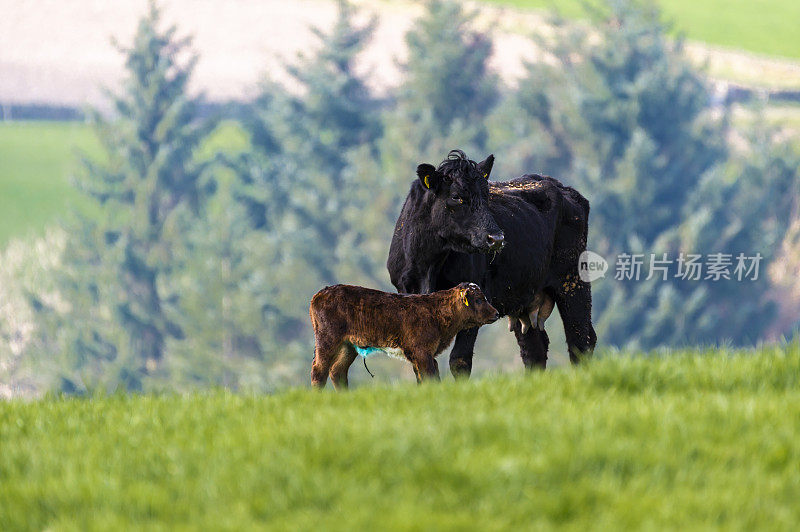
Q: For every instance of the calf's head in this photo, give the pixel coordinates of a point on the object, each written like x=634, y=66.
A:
x=473, y=306
x=460, y=216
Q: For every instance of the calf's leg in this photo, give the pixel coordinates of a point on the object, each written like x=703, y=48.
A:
x=338, y=373
x=324, y=355
x=425, y=366
x=461, y=355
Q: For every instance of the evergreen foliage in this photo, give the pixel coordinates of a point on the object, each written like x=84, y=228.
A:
x=293, y=215
x=447, y=92
x=148, y=191
x=296, y=174
x=623, y=116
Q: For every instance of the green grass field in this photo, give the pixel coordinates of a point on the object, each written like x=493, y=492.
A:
x=38, y=161
x=694, y=440
x=761, y=26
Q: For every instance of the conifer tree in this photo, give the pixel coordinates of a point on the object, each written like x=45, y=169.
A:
x=627, y=119
x=303, y=202
x=744, y=207
x=624, y=117
x=147, y=191
x=448, y=91
x=302, y=143
x=231, y=308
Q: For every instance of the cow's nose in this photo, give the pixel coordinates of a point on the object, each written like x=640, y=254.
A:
x=495, y=241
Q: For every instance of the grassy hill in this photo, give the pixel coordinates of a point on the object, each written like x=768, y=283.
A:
x=761, y=27
x=697, y=440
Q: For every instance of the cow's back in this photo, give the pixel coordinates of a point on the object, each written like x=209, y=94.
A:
x=371, y=314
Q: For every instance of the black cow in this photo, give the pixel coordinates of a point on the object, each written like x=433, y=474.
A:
x=519, y=240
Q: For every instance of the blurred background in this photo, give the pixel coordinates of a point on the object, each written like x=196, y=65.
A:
x=177, y=179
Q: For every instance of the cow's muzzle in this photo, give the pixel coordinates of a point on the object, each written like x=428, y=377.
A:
x=496, y=241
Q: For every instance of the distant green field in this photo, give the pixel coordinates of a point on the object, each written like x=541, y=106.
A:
x=38, y=161
x=691, y=441
x=761, y=26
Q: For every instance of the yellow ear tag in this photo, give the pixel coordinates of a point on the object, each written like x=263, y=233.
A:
x=486, y=175
x=427, y=183
x=465, y=299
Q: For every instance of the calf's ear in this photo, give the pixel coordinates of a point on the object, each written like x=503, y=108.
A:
x=428, y=176
x=485, y=166
x=464, y=297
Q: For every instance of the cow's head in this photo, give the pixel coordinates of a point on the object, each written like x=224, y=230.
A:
x=459, y=190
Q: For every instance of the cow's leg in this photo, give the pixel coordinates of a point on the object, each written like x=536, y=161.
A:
x=325, y=354
x=338, y=373
x=533, y=344
x=574, y=301
x=461, y=355
x=425, y=366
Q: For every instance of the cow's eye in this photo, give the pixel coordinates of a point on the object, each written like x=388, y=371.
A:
x=454, y=201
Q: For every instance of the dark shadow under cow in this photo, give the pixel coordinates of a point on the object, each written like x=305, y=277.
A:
x=515, y=239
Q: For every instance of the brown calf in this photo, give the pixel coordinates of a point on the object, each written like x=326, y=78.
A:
x=421, y=326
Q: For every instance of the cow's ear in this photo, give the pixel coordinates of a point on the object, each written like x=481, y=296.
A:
x=464, y=297
x=428, y=176
x=485, y=166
